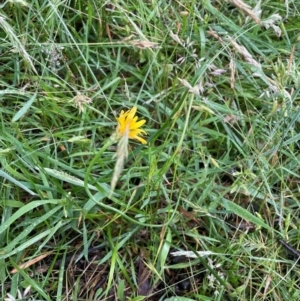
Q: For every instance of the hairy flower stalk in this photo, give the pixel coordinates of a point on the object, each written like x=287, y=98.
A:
x=129, y=127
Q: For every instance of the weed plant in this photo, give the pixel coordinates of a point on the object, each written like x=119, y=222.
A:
x=196, y=213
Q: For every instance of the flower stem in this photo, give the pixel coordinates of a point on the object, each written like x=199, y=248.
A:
x=108, y=143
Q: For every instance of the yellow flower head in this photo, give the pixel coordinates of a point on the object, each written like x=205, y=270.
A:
x=128, y=125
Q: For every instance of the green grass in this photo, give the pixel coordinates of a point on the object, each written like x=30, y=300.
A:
x=219, y=173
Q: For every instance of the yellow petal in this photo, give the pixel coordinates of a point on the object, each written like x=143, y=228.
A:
x=132, y=112
x=143, y=141
x=136, y=132
x=137, y=124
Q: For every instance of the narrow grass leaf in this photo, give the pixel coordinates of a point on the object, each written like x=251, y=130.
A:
x=245, y=214
x=63, y=176
x=179, y=299
x=139, y=298
x=16, y=182
x=24, y=109
x=121, y=289
x=25, y=209
x=99, y=196
x=112, y=263
x=50, y=235
x=294, y=139
x=28, y=229
x=31, y=281
x=61, y=279
x=12, y=203
x=15, y=41
x=26, y=244
x=120, y=245
x=3, y=272
x=164, y=253
x=85, y=242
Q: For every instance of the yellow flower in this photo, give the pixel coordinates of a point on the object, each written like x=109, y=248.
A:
x=129, y=126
